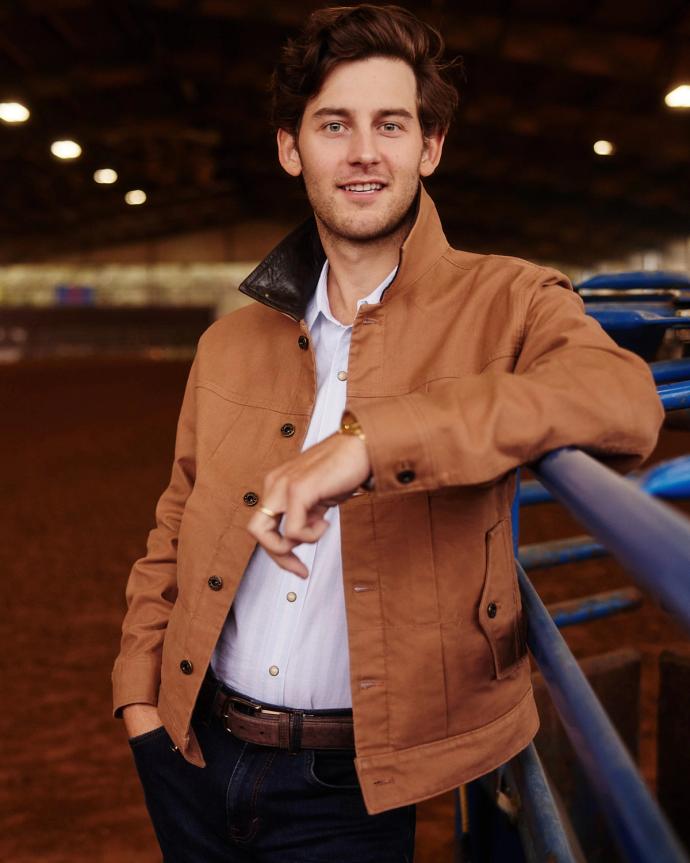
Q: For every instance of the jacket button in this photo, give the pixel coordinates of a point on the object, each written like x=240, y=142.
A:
x=251, y=498
x=186, y=666
x=491, y=609
x=215, y=582
x=303, y=342
x=287, y=430
x=406, y=476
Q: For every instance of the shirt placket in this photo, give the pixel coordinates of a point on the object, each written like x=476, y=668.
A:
x=336, y=339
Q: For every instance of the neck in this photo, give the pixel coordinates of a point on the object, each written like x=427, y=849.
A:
x=356, y=268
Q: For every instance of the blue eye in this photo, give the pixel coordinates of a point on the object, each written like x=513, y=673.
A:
x=390, y=127
x=334, y=127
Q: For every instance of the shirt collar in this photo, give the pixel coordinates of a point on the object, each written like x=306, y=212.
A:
x=318, y=302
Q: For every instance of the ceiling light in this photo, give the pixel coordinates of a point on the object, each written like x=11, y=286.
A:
x=135, y=196
x=65, y=149
x=603, y=148
x=679, y=97
x=13, y=112
x=105, y=176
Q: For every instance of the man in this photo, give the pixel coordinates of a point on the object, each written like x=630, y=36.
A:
x=331, y=574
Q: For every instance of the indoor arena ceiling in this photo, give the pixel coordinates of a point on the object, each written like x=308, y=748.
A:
x=172, y=95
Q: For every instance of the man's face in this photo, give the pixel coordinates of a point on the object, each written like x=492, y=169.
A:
x=360, y=149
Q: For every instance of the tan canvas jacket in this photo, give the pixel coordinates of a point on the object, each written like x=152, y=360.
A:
x=469, y=366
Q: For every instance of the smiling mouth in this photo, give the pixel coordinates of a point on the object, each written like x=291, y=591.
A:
x=362, y=188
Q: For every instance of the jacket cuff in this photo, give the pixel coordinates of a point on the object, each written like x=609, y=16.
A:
x=397, y=444
x=135, y=681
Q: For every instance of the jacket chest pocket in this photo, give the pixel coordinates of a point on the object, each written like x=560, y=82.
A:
x=500, y=608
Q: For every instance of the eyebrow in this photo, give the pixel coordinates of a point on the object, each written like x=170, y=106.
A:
x=344, y=112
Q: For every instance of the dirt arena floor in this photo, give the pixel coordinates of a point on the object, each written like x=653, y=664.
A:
x=87, y=447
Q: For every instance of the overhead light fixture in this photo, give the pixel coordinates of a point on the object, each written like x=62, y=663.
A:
x=65, y=149
x=679, y=97
x=105, y=176
x=604, y=148
x=14, y=112
x=135, y=197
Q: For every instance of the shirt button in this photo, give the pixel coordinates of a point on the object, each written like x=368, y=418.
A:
x=186, y=666
x=406, y=476
x=491, y=609
x=251, y=498
x=292, y=596
x=287, y=430
x=273, y=671
x=215, y=582
x=303, y=342
x=342, y=376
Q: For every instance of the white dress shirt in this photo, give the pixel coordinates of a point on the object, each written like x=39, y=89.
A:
x=285, y=639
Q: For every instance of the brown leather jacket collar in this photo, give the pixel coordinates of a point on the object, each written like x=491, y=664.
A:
x=287, y=277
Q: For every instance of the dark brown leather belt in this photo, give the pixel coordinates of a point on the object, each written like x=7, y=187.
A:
x=285, y=728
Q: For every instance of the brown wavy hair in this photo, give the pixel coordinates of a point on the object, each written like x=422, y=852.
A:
x=339, y=34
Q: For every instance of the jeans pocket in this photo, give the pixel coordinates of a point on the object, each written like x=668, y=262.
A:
x=333, y=768
x=147, y=736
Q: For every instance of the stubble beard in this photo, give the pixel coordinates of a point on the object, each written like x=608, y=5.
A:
x=362, y=230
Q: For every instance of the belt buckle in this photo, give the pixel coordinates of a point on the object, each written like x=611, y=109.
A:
x=237, y=699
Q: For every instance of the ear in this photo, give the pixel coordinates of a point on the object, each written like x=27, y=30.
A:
x=288, y=154
x=431, y=154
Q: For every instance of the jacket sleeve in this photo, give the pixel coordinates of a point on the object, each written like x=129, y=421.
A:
x=152, y=586
x=571, y=386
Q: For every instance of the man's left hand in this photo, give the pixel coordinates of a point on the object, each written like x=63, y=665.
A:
x=304, y=488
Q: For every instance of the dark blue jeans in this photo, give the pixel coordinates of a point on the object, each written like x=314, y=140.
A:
x=263, y=804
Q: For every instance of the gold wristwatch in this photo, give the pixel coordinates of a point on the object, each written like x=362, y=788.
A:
x=349, y=424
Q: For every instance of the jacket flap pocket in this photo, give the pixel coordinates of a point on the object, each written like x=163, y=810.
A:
x=500, y=609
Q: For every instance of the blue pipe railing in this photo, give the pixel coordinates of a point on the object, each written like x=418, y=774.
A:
x=668, y=479
x=634, y=527
x=638, y=826
x=594, y=607
x=631, y=320
x=669, y=371
x=635, y=280
x=653, y=543
x=538, y=814
x=533, y=492
x=554, y=552
x=675, y=396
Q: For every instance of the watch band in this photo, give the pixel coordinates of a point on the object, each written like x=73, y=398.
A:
x=349, y=424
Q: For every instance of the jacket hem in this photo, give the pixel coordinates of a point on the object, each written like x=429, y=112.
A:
x=408, y=776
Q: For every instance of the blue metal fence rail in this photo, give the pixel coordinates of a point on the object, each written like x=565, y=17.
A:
x=668, y=371
x=638, y=826
x=649, y=538
x=541, y=828
x=573, y=611
x=675, y=396
x=635, y=281
x=635, y=527
x=652, y=541
x=669, y=480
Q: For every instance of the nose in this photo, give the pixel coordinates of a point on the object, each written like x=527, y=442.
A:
x=363, y=149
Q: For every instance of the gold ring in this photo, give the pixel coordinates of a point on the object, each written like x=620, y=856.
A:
x=269, y=512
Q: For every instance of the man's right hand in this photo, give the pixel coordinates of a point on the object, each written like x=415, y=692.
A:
x=140, y=718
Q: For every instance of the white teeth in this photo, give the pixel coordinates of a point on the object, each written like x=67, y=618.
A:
x=364, y=187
